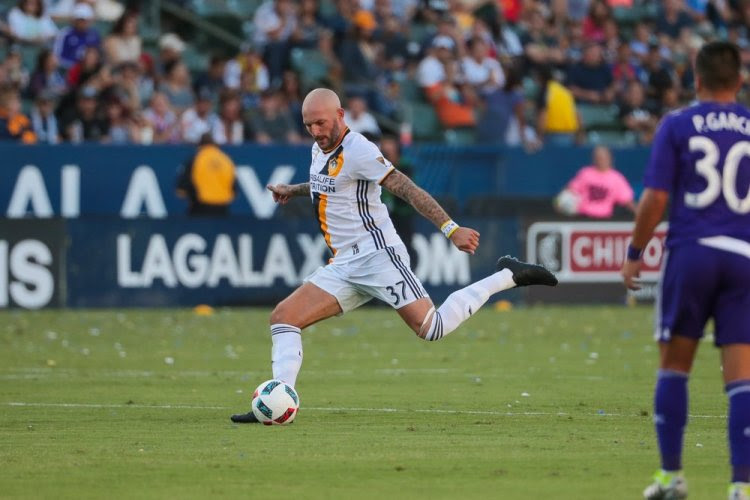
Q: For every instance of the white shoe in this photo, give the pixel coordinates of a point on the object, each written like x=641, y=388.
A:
x=667, y=486
x=739, y=491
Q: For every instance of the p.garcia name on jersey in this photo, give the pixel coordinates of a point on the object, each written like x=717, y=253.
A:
x=714, y=122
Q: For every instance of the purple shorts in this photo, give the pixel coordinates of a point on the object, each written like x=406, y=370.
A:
x=700, y=282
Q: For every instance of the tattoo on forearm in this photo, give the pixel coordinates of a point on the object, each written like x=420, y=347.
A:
x=403, y=187
x=300, y=189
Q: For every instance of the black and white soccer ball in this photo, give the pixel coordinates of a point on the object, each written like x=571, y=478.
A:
x=275, y=403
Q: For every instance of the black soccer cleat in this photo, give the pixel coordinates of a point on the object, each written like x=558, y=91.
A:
x=244, y=418
x=525, y=274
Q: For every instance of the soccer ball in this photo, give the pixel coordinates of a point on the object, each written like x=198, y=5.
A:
x=567, y=202
x=275, y=403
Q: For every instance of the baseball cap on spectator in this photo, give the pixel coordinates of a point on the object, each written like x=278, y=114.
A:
x=83, y=11
x=364, y=20
x=170, y=41
x=443, y=42
x=88, y=92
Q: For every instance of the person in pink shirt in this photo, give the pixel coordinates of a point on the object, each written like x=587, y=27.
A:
x=599, y=187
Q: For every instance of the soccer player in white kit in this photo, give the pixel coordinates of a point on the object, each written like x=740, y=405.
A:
x=369, y=259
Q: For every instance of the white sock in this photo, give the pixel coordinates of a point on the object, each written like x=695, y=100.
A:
x=464, y=302
x=286, y=353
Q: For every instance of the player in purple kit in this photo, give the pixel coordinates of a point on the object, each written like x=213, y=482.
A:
x=701, y=159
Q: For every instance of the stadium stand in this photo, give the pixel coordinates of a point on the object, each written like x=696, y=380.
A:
x=397, y=54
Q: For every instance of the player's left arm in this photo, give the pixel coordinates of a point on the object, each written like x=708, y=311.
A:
x=465, y=239
x=648, y=215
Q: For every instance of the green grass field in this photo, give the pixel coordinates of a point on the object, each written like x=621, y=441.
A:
x=531, y=403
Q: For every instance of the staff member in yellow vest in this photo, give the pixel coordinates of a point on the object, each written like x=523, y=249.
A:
x=558, y=121
x=208, y=180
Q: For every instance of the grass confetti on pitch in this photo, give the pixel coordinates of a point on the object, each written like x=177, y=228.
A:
x=529, y=403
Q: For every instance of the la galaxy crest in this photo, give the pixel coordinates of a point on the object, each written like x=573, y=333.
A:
x=332, y=164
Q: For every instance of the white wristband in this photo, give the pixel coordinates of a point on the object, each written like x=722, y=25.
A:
x=448, y=228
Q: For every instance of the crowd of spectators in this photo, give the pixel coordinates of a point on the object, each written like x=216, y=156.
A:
x=512, y=72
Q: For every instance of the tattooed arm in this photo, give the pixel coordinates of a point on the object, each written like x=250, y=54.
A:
x=464, y=238
x=403, y=187
x=283, y=192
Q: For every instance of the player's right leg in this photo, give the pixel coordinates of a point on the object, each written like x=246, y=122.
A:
x=306, y=305
x=684, y=303
x=670, y=415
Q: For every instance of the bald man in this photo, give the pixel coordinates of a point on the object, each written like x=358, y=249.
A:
x=369, y=259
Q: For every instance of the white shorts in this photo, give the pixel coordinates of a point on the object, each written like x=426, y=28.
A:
x=384, y=274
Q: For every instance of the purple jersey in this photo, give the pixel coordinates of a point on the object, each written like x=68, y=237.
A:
x=701, y=156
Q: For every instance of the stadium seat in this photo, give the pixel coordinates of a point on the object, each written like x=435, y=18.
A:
x=311, y=66
x=596, y=116
x=460, y=136
x=612, y=138
x=425, y=124
x=410, y=90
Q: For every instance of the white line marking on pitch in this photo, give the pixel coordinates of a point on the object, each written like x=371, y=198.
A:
x=334, y=409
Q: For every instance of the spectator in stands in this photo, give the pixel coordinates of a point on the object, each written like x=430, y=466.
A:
x=208, y=180
x=213, y=79
x=84, y=123
x=309, y=25
x=573, y=43
x=13, y=71
x=358, y=51
x=591, y=79
x=624, y=71
x=641, y=41
x=199, y=119
x=672, y=19
x=292, y=97
x=635, y=115
x=43, y=119
x=599, y=187
x=453, y=100
x=431, y=70
x=557, y=119
x=481, y=70
x=47, y=76
x=248, y=62
x=126, y=77
x=161, y=119
x=29, y=23
x=89, y=65
x=120, y=128
x=594, y=23
x=272, y=122
x=14, y=125
x=171, y=48
x=358, y=119
x=229, y=129
x=541, y=47
x=503, y=119
x=395, y=43
x=123, y=43
x=176, y=86
x=73, y=41
x=655, y=74
x=105, y=10
x=274, y=22
x=334, y=69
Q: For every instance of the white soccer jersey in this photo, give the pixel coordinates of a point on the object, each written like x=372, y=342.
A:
x=345, y=189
